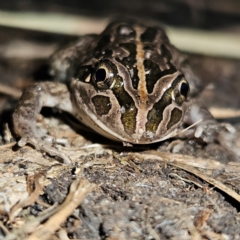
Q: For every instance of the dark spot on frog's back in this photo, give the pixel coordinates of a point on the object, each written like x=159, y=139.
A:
x=176, y=115
x=131, y=48
x=155, y=115
x=102, y=45
x=149, y=35
x=127, y=106
x=102, y=104
x=165, y=52
x=155, y=74
x=130, y=60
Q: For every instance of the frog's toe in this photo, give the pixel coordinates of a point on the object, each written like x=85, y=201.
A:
x=45, y=146
x=35, y=142
x=28, y=140
x=228, y=127
x=22, y=142
x=56, y=153
x=209, y=131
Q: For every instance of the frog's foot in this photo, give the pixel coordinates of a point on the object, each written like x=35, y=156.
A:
x=44, y=146
x=210, y=130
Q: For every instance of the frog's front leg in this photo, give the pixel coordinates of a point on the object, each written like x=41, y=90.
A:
x=43, y=94
x=208, y=129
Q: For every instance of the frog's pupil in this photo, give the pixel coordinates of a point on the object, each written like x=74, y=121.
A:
x=100, y=74
x=184, y=89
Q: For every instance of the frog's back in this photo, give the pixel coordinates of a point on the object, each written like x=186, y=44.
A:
x=119, y=40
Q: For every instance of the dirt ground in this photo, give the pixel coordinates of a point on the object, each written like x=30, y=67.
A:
x=177, y=189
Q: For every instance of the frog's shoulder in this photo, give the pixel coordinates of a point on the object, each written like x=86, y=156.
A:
x=66, y=59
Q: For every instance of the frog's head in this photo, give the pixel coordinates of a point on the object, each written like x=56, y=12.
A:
x=130, y=90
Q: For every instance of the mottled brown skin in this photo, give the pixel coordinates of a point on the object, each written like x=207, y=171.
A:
x=49, y=94
x=128, y=84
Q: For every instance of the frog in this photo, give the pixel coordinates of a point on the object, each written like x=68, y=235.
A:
x=128, y=84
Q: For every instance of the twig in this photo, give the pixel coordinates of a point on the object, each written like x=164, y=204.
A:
x=10, y=91
x=34, y=192
x=56, y=214
x=7, y=145
x=78, y=191
x=223, y=113
x=185, y=180
x=52, y=22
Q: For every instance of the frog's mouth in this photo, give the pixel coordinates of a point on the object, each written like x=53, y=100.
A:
x=102, y=112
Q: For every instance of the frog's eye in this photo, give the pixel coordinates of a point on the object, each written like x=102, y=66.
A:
x=184, y=89
x=180, y=91
x=100, y=75
x=103, y=76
